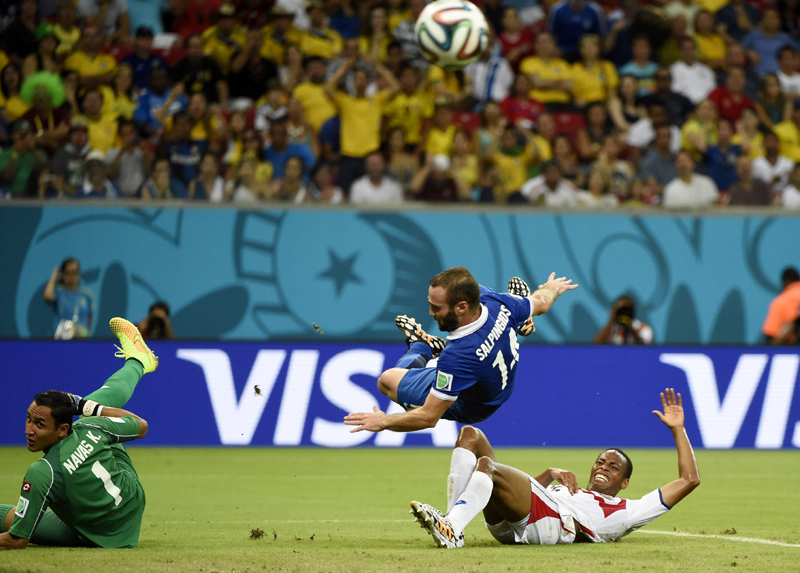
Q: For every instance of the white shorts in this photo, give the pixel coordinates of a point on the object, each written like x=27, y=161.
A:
x=542, y=526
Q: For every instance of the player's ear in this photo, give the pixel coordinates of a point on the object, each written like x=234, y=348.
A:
x=462, y=307
x=624, y=483
x=63, y=431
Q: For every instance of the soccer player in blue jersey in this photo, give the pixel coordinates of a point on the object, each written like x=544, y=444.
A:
x=477, y=366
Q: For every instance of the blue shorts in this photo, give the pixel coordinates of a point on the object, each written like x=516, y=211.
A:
x=416, y=384
x=414, y=387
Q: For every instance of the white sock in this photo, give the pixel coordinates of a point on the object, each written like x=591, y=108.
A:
x=472, y=501
x=462, y=464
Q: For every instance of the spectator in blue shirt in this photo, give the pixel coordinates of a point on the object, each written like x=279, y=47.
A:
x=280, y=150
x=158, y=102
x=735, y=20
x=142, y=60
x=719, y=161
x=763, y=43
x=568, y=20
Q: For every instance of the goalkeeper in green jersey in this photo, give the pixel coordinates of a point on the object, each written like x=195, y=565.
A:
x=84, y=492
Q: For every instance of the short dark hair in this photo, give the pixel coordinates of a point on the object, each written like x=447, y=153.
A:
x=629, y=468
x=67, y=261
x=786, y=48
x=790, y=275
x=160, y=304
x=311, y=59
x=459, y=284
x=61, y=405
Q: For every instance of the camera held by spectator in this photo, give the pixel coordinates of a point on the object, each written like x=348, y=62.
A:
x=157, y=325
x=623, y=327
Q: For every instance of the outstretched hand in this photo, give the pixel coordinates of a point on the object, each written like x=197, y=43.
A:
x=559, y=286
x=370, y=421
x=673, y=409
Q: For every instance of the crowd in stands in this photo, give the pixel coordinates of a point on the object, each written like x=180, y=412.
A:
x=677, y=103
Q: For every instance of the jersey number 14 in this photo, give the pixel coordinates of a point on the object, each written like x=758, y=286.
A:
x=500, y=361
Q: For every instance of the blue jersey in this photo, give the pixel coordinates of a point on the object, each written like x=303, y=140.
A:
x=478, y=367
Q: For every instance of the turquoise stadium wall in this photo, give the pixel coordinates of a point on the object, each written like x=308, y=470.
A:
x=270, y=274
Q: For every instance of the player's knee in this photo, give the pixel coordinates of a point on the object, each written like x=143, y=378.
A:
x=485, y=465
x=387, y=384
x=469, y=437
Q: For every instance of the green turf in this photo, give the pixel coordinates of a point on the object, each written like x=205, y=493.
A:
x=347, y=511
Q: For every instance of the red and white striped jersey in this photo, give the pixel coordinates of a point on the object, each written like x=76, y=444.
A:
x=605, y=518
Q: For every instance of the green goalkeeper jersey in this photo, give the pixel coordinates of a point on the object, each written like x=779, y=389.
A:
x=88, y=480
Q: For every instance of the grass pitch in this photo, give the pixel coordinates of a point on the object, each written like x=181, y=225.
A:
x=347, y=511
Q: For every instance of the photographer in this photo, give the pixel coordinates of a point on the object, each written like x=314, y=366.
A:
x=623, y=327
x=157, y=325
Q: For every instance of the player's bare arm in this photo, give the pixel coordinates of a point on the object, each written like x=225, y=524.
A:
x=564, y=477
x=544, y=297
x=673, y=418
x=426, y=416
x=8, y=541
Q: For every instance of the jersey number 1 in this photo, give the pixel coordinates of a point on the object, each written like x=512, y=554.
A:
x=500, y=360
x=102, y=474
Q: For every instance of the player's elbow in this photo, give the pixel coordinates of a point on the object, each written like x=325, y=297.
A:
x=16, y=542
x=428, y=420
x=143, y=427
x=692, y=481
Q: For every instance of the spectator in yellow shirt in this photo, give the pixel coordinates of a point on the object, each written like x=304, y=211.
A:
x=119, y=99
x=278, y=35
x=360, y=118
x=439, y=139
x=376, y=38
x=513, y=153
x=410, y=107
x=95, y=69
x=593, y=79
x=102, y=126
x=398, y=12
x=66, y=29
x=311, y=94
x=319, y=39
x=711, y=47
x=788, y=133
x=700, y=132
x=450, y=86
x=222, y=40
x=748, y=136
x=550, y=76
x=11, y=105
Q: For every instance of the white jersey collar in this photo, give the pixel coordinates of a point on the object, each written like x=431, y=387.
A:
x=471, y=327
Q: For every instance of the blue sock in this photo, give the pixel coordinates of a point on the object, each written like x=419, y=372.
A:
x=417, y=356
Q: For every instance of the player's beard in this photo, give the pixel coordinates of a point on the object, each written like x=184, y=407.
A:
x=449, y=322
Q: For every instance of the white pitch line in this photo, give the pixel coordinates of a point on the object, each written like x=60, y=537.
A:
x=725, y=537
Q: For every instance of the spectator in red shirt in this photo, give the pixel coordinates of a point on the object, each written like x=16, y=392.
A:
x=730, y=98
x=516, y=39
x=519, y=105
x=193, y=16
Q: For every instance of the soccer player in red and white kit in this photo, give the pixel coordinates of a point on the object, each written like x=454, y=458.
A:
x=521, y=509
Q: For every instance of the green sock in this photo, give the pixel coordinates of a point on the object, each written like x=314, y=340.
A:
x=117, y=390
x=4, y=509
